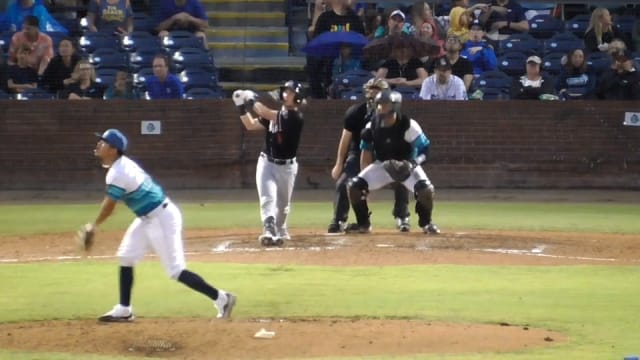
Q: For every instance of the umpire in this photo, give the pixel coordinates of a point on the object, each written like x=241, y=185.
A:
x=347, y=163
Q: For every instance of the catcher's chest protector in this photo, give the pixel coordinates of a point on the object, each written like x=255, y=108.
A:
x=389, y=142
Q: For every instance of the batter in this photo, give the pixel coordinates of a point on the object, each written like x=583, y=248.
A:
x=277, y=165
x=158, y=225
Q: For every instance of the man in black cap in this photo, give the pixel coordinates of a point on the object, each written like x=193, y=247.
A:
x=478, y=51
x=443, y=85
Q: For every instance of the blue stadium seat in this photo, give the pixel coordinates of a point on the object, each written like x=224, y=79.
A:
x=35, y=94
x=552, y=63
x=545, y=26
x=5, y=95
x=5, y=41
x=636, y=57
x=198, y=78
x=352, y=94
x=491, y=93
x=526, y=45
x=353, y=79
x=106, y=76
x=625, y=23
x=143, y=22
x=408, y=92
x=192, y=57
x=91, y=41
x=598, y=62
x=492, y=79
x=141, y=76
x=142, y=58
x=564, y=42
x=578, y=25
x=109, y=59
x=512, y=63
x=203, y=93
x=140, y=39
x=181, y=39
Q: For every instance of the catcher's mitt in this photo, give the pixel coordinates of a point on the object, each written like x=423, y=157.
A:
x=85, y=237
x=399, y=170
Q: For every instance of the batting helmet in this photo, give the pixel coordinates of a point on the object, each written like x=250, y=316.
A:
x=388, y=96
x=294, y=86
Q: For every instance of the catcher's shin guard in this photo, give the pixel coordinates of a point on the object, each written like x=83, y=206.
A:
x=358, y=191
x=423, y=193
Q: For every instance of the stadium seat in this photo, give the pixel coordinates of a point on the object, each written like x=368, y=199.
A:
x=512, y=63
x=140, y=77
x=143, y=22
x=181, y=39
x=491, y=93
x=140, y=39
x=198, y=78
x=109, y=59
x=552, y=63
x=578, y=25
x=492, y=79
x=564, y=42
x=598, y=62
x=352, y=94
x=106, y=76
x=142, y=58
x=192, y=57
x=353, y=79
x=5, y=95
x=408, y=92
x=545, y=26
x=203, y=93
x=91, y=41
x=525, y=45
x=5, y=41
x=35, y=94
x=625, y=23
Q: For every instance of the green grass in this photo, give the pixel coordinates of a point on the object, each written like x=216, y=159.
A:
x=596, y=306
x=595, y=217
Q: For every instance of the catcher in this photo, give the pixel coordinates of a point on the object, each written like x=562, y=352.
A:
x=393, y=147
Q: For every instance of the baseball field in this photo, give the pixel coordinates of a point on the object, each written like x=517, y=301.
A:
x=514, y=275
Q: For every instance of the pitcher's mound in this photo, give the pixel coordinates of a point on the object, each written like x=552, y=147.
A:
x=196, y=338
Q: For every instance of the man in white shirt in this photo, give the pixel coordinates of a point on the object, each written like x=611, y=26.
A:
x=443, y=85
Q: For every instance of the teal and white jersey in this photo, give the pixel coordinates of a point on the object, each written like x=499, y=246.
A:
x=127, y=181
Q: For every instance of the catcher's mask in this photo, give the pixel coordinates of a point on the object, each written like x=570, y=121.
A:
x=372, y=85
x=294, y=86
x=388, y=97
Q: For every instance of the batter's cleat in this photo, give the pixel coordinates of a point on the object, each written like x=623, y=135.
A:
x=119, y=313
x=268, y=236
x=282, y=234
x=358, y=228
x=336, y=228
x=402, y=224
x=224, y=303
x=431, y=229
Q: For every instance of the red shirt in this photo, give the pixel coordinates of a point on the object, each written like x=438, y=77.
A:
x=41, y=49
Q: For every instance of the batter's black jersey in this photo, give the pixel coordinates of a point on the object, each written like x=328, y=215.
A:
x=283, y=135
x=355, y=120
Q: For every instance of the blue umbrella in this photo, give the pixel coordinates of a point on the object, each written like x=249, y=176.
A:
x=328, y=43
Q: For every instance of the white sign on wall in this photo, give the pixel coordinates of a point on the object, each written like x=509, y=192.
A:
x=151, y=127
x=632, y=118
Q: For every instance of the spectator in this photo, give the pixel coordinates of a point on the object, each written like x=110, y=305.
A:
x=459, y=21
x=61, y=68
x=403, y=68
x=186, y=15
x=18, y=12
x=110, y=16
x=163, y=85
x=461, y=67
x=40, y=43
x=122, y=88
x=371, y=23
x=503, y=18
x=343, y=63
x=443, y=85
x=478, y=51
x=601, y=31
x=396, y=25
x=85, y=87
x=533, y=85
x=425, y=26
x=21, y=76
x=622, y=82
x=575, y=82
x=340, y=17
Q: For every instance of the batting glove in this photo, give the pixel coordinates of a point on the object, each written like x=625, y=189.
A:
x=239, y=99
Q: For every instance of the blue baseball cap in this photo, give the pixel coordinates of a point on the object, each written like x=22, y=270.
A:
x=114, y=138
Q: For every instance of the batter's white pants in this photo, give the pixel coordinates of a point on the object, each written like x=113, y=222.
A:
x=160, y=231
x=275, y=187
x=376, y=176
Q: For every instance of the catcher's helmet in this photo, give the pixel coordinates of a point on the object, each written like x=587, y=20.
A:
x=294, y=86
x=374, y=84
x=389, y=96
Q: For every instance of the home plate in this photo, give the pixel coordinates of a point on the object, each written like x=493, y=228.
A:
x=385, y=245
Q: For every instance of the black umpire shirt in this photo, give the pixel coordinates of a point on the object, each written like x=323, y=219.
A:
x=283, y=135
x=355, y=120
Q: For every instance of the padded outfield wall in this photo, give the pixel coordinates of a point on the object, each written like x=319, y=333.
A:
x=503, y=144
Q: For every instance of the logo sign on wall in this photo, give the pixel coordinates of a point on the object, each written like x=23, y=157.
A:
x=151, y=127
x=632, y=118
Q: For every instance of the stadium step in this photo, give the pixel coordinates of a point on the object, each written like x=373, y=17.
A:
x=244, y=5
x=260, y=70
x=277, y=34
x=247, y=18
x=248, y=49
